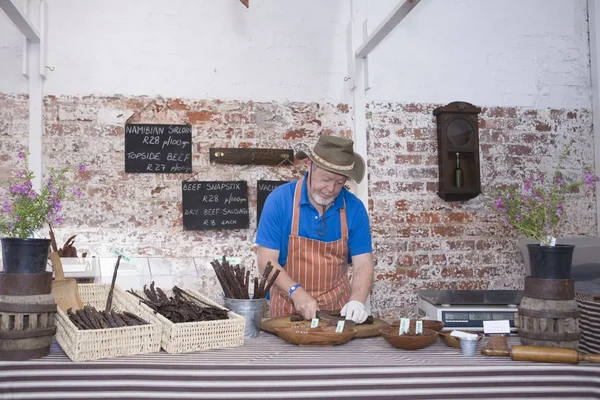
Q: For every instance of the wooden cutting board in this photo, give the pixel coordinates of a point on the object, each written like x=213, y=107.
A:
x=363, y=330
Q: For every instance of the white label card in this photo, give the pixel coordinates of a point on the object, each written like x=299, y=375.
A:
x=314, y=323
x=404, y=325
x=340, y=326
x=419, y=327
x=501, y=326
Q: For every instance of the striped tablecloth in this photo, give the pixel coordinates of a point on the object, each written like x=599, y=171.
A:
x=268, y=368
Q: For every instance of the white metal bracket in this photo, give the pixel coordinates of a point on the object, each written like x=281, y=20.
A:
x=366, y=59
x=43, y=38
x=351, y=78
x=386, y=26
x=31, y=33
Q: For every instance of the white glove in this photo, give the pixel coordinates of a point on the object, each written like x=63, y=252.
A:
x=355, y=310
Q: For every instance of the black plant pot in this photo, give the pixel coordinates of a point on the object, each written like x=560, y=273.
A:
x=25, y=256
x=551, y=262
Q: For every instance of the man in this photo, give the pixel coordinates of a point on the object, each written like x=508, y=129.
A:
x=311, y=229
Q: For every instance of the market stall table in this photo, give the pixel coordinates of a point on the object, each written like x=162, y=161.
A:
x=268, y=368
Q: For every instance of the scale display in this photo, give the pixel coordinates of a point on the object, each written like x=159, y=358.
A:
x=467, y=309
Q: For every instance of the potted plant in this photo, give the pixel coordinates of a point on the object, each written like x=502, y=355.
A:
x=26, y=211
x=536, y=209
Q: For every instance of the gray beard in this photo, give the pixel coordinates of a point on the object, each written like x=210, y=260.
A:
x=320, y=201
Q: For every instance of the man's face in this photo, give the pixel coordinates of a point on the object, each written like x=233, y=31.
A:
x=324, y=186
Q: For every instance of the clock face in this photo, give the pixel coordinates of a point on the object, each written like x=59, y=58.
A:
x=460, y=132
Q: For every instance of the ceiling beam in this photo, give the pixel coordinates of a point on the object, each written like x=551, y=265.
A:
x=20, y=20
x=386, y=26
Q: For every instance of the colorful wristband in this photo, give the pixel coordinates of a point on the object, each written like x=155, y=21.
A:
x=293, y=289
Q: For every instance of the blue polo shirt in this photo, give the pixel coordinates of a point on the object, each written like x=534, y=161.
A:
x=275, y=223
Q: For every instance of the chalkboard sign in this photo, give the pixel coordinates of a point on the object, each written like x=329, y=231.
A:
x=264, y=189
x=158, y=148
x=215, y=205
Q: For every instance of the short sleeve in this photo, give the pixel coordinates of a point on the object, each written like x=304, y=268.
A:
x=359, y=232
x=270, y=226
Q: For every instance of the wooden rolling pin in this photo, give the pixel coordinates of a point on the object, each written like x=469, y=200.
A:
x=542, y=354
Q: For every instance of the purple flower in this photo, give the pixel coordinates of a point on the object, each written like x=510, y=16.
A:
x=77, y=192
x=82, y=167
x=21, y=188
x=559, y=209
x=499, y=203
x=528, y=183
x=32, y=195
x=21, y=155
x=518, y=218
x=591, y=179
x=6, y=207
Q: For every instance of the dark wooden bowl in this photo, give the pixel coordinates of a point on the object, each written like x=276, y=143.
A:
x=409, y=342
x=427, y=324
x=320, y=336
x=454, y=341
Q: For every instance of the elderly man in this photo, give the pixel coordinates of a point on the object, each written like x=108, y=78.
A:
x=312, y=229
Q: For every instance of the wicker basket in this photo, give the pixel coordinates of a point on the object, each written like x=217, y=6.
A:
x=86, y=345
x=188, y=337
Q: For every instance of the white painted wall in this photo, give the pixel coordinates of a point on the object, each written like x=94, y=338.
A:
x=531, y=53
x=11, y=56
x=522, y=52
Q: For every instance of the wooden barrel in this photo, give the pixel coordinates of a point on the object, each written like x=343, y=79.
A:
x=27, y=310
x=548, y=314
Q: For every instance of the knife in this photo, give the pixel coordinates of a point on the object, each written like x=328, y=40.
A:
x=331, y=319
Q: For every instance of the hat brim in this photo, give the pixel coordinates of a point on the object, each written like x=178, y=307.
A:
x=357, y=173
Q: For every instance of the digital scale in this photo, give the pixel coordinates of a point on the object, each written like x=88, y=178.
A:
x=467, y=309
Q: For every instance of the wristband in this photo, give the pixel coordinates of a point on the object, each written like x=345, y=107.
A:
x=293, y=289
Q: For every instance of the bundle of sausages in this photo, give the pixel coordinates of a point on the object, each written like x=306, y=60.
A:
x=235, y=280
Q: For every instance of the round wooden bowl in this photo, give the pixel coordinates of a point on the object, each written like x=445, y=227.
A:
x=320, y=336
x=427, y=324
x=454, y=341
x=408, y=342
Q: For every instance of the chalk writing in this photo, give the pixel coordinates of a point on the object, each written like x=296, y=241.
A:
x=169, y=147
x=215, y=205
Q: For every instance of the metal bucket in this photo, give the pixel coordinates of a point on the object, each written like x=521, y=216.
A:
x=251, y=310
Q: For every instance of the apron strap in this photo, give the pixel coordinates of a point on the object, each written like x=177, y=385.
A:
x=296, y=208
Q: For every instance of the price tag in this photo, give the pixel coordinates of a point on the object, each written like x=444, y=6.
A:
x=500, y=326
x=314, y=323
x=404, y=324
x=419, y=327
x=118, y=253
x=340, y=326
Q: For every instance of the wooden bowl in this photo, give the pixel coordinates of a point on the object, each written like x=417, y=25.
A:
x=408, y=342
x=454, y=341
x=427, y=324
x=320, y=336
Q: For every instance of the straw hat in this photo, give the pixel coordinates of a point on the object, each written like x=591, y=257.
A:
x=335, y=154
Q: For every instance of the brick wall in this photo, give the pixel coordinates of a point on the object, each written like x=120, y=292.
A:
x=423, y=242
x=420, y=241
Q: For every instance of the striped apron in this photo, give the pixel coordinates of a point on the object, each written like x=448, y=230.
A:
x=320, y=267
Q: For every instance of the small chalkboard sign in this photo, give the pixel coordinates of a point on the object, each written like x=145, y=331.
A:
x=264, y=188
x=158, y=148
x=215, y=205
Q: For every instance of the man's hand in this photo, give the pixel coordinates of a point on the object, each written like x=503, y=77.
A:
x=305, y=304
x=356, y=311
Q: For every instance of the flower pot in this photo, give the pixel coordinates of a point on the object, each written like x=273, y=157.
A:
x=550, y=262
x=25, y=256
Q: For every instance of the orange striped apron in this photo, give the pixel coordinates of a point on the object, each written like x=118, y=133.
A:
x=320, y=267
